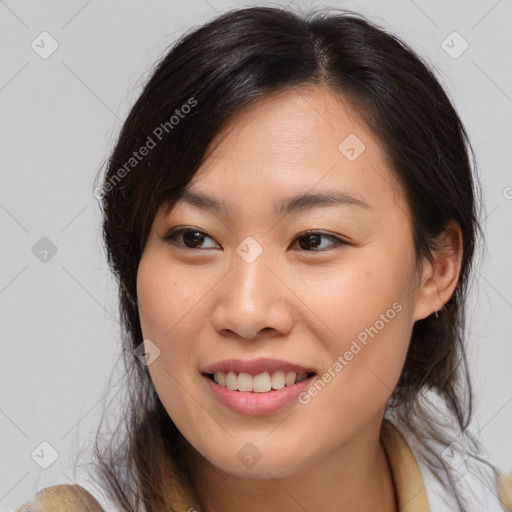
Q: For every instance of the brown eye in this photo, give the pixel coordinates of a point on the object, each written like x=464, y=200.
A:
x=190, y=238
x=312, y=240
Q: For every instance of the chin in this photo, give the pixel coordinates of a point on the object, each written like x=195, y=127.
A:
x=262, y=464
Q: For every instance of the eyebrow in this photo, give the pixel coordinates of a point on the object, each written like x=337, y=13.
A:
x=306, y=201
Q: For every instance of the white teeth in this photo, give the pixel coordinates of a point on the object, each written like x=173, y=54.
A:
x=261, y=383
x=231, y=381
x=278, y=379
x=244, y=382
x=290, y=378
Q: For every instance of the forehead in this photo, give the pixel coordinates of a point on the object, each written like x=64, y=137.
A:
x=290, y=143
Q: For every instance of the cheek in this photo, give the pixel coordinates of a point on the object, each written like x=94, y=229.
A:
x=163, y=298
x=352, y=296
x=167, y=303
x=163, y=306
x=366, y=309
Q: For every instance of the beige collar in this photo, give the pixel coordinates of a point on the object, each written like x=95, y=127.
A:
x=410, y=489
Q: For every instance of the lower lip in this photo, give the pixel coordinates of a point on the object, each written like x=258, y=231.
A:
x=254, y=404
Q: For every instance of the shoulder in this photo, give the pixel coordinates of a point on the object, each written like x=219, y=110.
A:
x=62, y=498
x=476, y=479
x=504, y=488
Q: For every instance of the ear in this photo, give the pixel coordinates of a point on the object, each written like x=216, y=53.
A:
x=440, y=276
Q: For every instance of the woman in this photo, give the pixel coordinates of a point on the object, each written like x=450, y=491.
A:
x=291, y=215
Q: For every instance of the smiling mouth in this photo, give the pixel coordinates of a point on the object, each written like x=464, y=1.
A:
x=260, y=383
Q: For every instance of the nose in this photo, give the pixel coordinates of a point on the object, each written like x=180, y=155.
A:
x=253, y=300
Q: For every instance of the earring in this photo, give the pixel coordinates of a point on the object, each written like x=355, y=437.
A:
x=437, y=315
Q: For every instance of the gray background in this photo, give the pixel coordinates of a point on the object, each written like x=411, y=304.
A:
x=59, y=117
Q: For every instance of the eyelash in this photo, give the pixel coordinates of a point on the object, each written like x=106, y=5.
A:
x=171, y=236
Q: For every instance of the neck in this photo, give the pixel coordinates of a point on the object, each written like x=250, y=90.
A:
x=355, y=476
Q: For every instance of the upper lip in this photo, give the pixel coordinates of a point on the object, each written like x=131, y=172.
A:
x=256, y=366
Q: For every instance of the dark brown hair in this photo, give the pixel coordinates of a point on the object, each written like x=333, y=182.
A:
x=220, y=67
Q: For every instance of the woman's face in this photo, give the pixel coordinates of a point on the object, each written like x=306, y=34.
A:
x=246, y=288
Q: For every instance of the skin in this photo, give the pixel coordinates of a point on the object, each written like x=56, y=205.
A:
x=297, y=301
